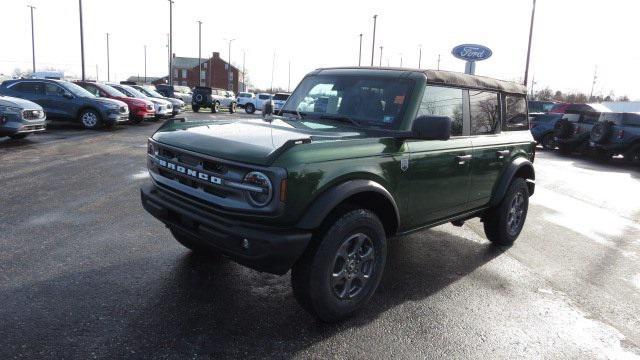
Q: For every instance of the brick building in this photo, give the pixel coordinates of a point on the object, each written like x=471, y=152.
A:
x=215, y=72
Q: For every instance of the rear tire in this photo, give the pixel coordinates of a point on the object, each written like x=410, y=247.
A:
x=504, y=222
x=215, y=108
x=250, y=108
x=232, y=108
x=633, y=155
x=90, y=119
x=195, y=108
x=19, y=136
x=341, y=269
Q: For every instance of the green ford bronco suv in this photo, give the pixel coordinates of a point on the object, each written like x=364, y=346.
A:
x=355, y=158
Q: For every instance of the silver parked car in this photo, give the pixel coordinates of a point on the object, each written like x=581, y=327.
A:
x=19, y=117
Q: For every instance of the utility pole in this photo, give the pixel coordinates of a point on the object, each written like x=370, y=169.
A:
x=438, y=61
x=273, y=65
x=400, y=60
x=360, y=52
x=244, y=84
x=170, y=42
x=420, y=58
x=97, y=72
x=33, y=42
x=526, y=69
x=81, y=39
x=199, y=52
x=533, y=83
x=229, y=72
x=145, y=64
x=108, y=66
x=380, y=56
x=373, y=42
x=593, y=84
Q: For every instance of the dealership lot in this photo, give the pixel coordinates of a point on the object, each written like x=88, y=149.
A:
x=87, y=273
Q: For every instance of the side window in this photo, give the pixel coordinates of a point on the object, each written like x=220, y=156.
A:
x=53, y=90
x=590, y=118
x=515, y=113
x=92, y=89
x=484, y=111
x=26, y=87
x=446, y=102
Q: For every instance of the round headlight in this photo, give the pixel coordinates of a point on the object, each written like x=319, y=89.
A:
x=261, y=181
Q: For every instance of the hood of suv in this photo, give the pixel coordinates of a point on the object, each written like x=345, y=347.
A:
x=247, y=141
x=17, y=102
x=158, y=101
x=107, y=101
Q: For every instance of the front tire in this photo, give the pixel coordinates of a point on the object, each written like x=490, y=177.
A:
x=340, y=271
x=250, y=108
x=232, y=108
x=90, y=119
x=503, y=223
x=215, y=108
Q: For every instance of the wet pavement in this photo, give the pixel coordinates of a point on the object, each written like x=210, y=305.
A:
x=86, y=273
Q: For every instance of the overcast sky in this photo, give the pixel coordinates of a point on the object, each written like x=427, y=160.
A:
x=570, y=38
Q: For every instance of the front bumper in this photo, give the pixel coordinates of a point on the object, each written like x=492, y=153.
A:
x=11, y=127
x=118, y=117
x=263, y=248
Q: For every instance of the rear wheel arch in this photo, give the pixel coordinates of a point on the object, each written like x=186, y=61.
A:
x=518, y=168
x=365, y=194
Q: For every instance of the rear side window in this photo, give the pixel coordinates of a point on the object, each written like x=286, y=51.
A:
x=515, y=113
x=264, y=97
x=280, y=97
x=484, y=111
x=27, y=87
x=590, y=118
x=446, y=102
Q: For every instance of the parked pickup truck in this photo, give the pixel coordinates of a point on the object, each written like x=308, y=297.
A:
x=321, y=193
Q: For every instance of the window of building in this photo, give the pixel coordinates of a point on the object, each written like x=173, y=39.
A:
x=443, y=101
x=484, y=112
x=175, y=73
x=184, y=73
x=515, y=113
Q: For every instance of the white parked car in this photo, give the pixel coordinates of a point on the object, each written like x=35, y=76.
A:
x=244, y=98
x=257, y=103
x=279, y=99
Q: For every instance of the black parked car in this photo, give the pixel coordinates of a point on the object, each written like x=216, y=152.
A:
x=67, y=101
x=617, y=134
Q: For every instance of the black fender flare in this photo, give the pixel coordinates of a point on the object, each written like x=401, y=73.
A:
x=519, y=165
x=329, y=199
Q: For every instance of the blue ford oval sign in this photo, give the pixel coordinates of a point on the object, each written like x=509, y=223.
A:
x=471, y=52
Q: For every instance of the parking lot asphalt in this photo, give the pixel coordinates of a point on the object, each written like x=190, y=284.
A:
x=86, y=273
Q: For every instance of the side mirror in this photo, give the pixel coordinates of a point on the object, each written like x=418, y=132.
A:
x=432, y=127
x=268, y=108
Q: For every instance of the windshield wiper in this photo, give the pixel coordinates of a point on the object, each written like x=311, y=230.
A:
x=299, y=114
x=340, y=118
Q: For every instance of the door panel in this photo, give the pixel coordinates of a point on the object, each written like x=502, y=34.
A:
x=490, y=154
x=439, y=179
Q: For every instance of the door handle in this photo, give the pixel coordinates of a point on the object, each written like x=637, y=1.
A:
x=462, y=159
x=501, y=154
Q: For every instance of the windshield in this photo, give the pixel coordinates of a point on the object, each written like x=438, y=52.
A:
x=112, y=91
x=372, y=101
x=130, y=91
x=151, y=92
x=76, y=89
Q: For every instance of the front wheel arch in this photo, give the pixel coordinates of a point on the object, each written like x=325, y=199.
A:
x=366, y=194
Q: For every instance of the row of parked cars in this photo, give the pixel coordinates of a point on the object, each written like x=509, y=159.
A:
x=590, y=129
x=25, y=104
x=217, y=99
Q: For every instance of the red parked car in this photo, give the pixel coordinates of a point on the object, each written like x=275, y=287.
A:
x=139, y=109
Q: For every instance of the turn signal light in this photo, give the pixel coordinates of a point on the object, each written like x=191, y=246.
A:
x=283, y=190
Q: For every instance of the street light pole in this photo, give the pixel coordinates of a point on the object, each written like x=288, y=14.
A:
x=33, y=42
x=81, y=39
x=438, y=61
x=373, y=42
x=526, y=70
x=360, y=52
x=420, y=58
x=381, y=56
x=170, y=42
x=244, y=59
x=273, y=65
x=108, y=65
x=199, y=52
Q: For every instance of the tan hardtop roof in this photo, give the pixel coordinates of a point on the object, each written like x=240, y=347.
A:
x=443, y=77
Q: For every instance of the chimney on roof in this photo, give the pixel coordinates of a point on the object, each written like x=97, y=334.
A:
x=215, y=55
